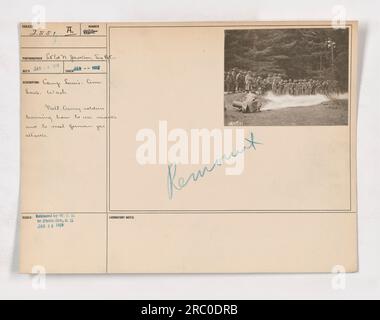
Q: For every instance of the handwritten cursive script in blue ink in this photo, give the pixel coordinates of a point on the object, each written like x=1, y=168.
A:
x=195, y=176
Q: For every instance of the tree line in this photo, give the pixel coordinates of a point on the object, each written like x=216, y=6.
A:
x=320, y=54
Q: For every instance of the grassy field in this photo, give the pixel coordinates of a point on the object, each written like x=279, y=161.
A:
x=333, y=112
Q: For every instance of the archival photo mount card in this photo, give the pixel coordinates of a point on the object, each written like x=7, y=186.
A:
x=223, y=147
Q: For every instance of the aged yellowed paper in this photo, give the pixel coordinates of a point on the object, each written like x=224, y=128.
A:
x=188, y=147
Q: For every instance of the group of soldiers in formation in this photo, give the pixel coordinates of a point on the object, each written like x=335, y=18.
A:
x=244, y=81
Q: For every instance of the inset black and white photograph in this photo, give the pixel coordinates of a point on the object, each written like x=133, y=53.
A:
x=286, y=77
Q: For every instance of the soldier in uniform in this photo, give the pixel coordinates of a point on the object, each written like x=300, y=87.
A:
x=234, y=82
x=291, y=87
x=308, y=87
x=229, y=82
x=274, y=85
x=287, y=87
x=240, y=81
x=295, y=87
x=304, y=87
x=248, y=81
x=259, y=83
x=298, y=87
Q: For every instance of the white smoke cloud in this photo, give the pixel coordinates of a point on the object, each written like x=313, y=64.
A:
x=274, y=102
